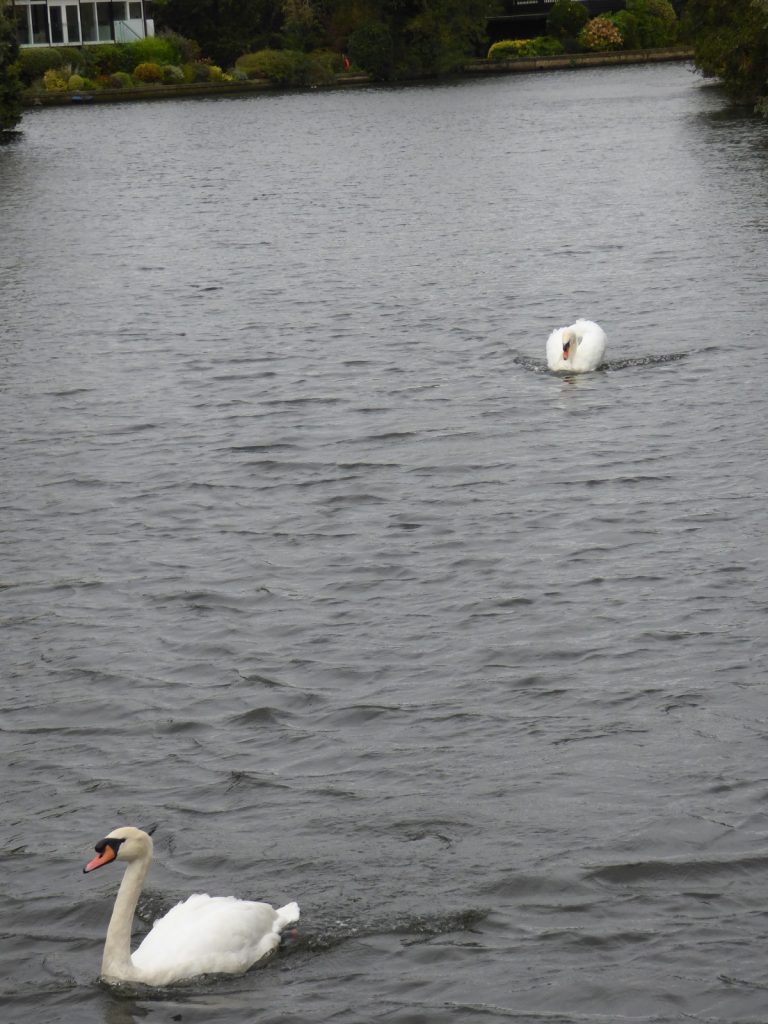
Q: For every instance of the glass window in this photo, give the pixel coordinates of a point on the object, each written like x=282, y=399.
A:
x=104, y=21
x=22, y=25
x=88, y=22
x=39, y=14
x=118, y=10
x=134, y=11
x=73, y=24
x=57, y=25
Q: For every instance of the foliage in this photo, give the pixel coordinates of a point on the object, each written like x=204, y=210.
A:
x=600, y=34
x=71, y=55
x=511, y=49
x=227, y=28
x=75, y=83
x=566, y=19
x=172, y=74
x=371, y=47
x=162, y=49
x=436, y=36
x=731, y=43
x=395, y=37
x=148, y=72
x=34, y=62
x=55, y=80
x=656, y=22
x=301, y=25
x=120, y=80
x=283, y=67
x=10, y=83
x=626, y=23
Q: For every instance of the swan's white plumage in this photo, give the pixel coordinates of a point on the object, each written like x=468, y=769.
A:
x=578, y=348
x=202, y=935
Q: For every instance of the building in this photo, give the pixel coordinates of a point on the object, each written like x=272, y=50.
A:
x=77, y=22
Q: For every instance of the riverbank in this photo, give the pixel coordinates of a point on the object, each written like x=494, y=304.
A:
x=261, y=85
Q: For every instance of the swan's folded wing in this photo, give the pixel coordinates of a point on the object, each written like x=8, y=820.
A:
x=209, y=935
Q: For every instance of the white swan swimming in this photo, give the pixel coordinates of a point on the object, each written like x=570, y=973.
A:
x=577, y=348
x=202, y=935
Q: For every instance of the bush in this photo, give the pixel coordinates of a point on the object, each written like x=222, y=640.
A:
x=330, y=60
x=566, y=19
x=284, y=67
x=148, y=72
x=33, y=63
x=55, y=81
x=371, y=47
x=156, y=50
x=75, y=83
x=512, y=49
x=120, y=80
x=106, y=58
x=600, y=34
x=172, y=74
x=656, y=22
x=188, y=51
x=626, y=23
x=197, y=71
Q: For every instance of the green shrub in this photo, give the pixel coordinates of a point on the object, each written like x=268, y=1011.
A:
x=197, y=71
x=371, y=47
x=656, y=22
x=72, y=56
x=106, y=58
x=626, y=23
x=600, y=34
x=75, y=83
x=120, y=80
x=155, y=50
x=54, y=80
x=34, y=62
x=188, y=50
x=172, y=74
x=566, y=19
x=512, y=49
x=284, y=67
x=330, y=60
x=148, y=72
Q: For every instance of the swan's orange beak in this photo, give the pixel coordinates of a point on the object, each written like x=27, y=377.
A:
x=566, y=349
x=107, y=854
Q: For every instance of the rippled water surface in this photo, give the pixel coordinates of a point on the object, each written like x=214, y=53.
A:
x=308, y=559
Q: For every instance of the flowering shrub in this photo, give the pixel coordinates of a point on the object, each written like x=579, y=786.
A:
x=600, y=34
x=148, y=72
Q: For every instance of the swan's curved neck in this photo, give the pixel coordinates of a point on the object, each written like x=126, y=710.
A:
x=116, y=962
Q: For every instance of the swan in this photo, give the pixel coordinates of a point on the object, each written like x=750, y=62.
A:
x=201, y=935
x=577, y=348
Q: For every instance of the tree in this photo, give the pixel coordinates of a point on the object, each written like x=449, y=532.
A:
x=10, y=83
x=731, y=43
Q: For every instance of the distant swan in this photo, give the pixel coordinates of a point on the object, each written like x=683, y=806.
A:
x=577, y=348
x=203, y=935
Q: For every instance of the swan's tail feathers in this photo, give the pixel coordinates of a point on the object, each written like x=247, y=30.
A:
x=287, y=915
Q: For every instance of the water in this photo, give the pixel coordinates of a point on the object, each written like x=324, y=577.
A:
x=308, y=559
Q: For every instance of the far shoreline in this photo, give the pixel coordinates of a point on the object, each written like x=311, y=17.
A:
x=472, y=69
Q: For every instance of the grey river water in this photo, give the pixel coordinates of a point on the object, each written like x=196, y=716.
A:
x=309, y=560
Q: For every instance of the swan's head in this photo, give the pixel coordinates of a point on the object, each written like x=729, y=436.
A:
x=570, y=341
x=126, y=843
